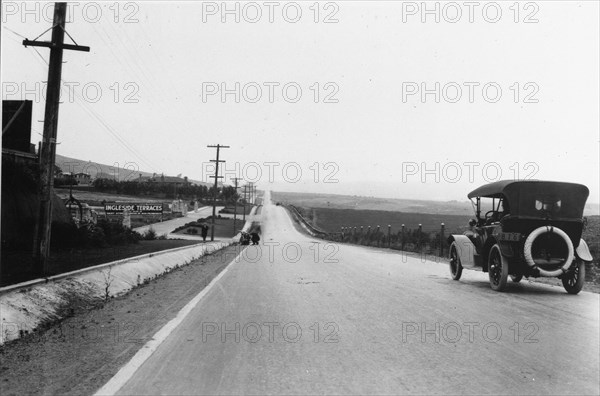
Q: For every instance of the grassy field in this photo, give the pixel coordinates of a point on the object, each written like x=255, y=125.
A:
x=94, y=198
x=591, y=234
x=331, y=220
x=239, y=210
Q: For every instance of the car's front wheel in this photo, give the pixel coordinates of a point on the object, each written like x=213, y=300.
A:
x=497, y=269
x=573, y=281
x=455, y=265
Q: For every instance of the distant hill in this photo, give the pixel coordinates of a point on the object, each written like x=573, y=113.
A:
x=371, y=203
x=98, y=170
x=333, y=201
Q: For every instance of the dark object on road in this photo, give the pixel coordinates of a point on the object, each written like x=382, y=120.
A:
x=255, y=238
x=529, y=228
x=245, y=238
x=204, y=228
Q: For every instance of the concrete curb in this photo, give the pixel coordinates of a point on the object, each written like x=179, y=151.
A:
x=312, y=231
x=71, y=274
x=27, y=305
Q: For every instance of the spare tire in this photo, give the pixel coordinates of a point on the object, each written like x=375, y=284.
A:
x=529, y=244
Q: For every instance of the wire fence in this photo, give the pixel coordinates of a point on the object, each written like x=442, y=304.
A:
x=418, y=239
x=411, y=239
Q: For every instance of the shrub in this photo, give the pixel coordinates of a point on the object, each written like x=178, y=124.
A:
x=150, y=234
x=94, y=236
x=65, y=235
x=117, y=234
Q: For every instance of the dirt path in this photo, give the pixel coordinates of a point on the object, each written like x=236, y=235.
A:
x=81, y=353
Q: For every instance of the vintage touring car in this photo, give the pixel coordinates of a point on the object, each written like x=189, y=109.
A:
x=525, y=228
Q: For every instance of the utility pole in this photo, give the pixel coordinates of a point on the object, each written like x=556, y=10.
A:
x=235, y=180
x=245, y=192
x=250, y=190
x=217, y=177
x=48, y=149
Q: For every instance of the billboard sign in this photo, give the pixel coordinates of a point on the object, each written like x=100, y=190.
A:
x=133, y=208
x=16, y=125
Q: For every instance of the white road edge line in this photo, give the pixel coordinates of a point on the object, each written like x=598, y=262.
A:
x=128, y=370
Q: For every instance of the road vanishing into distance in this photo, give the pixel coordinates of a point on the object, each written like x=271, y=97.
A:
x=296, y=315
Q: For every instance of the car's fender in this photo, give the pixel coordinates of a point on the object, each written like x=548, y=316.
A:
x=465, y=249
x=583, y=251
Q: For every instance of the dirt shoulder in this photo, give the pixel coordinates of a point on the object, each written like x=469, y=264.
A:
x=81, y=353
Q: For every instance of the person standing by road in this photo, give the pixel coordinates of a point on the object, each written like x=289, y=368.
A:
x=204, y=232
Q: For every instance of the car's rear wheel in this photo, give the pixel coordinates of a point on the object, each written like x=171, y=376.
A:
x=497, y=269
x=516, y=278
x=455, y=265
x=573, y=281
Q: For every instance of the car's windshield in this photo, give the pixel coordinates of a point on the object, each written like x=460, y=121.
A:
x=492, y=207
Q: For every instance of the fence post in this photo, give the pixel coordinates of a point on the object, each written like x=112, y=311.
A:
x=402, y=237
x=389, y=235
x=419, y=237
x=442, y=241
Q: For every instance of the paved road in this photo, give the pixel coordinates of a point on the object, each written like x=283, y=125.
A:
x=166, y=227
x=371, y=322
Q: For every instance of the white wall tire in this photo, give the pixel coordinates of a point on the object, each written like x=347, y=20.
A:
x=529, y=244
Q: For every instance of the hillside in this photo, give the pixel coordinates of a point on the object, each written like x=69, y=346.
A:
x=333, y=201
x=130, y=172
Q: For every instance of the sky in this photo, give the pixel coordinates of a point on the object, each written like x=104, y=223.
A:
x=418, y=100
